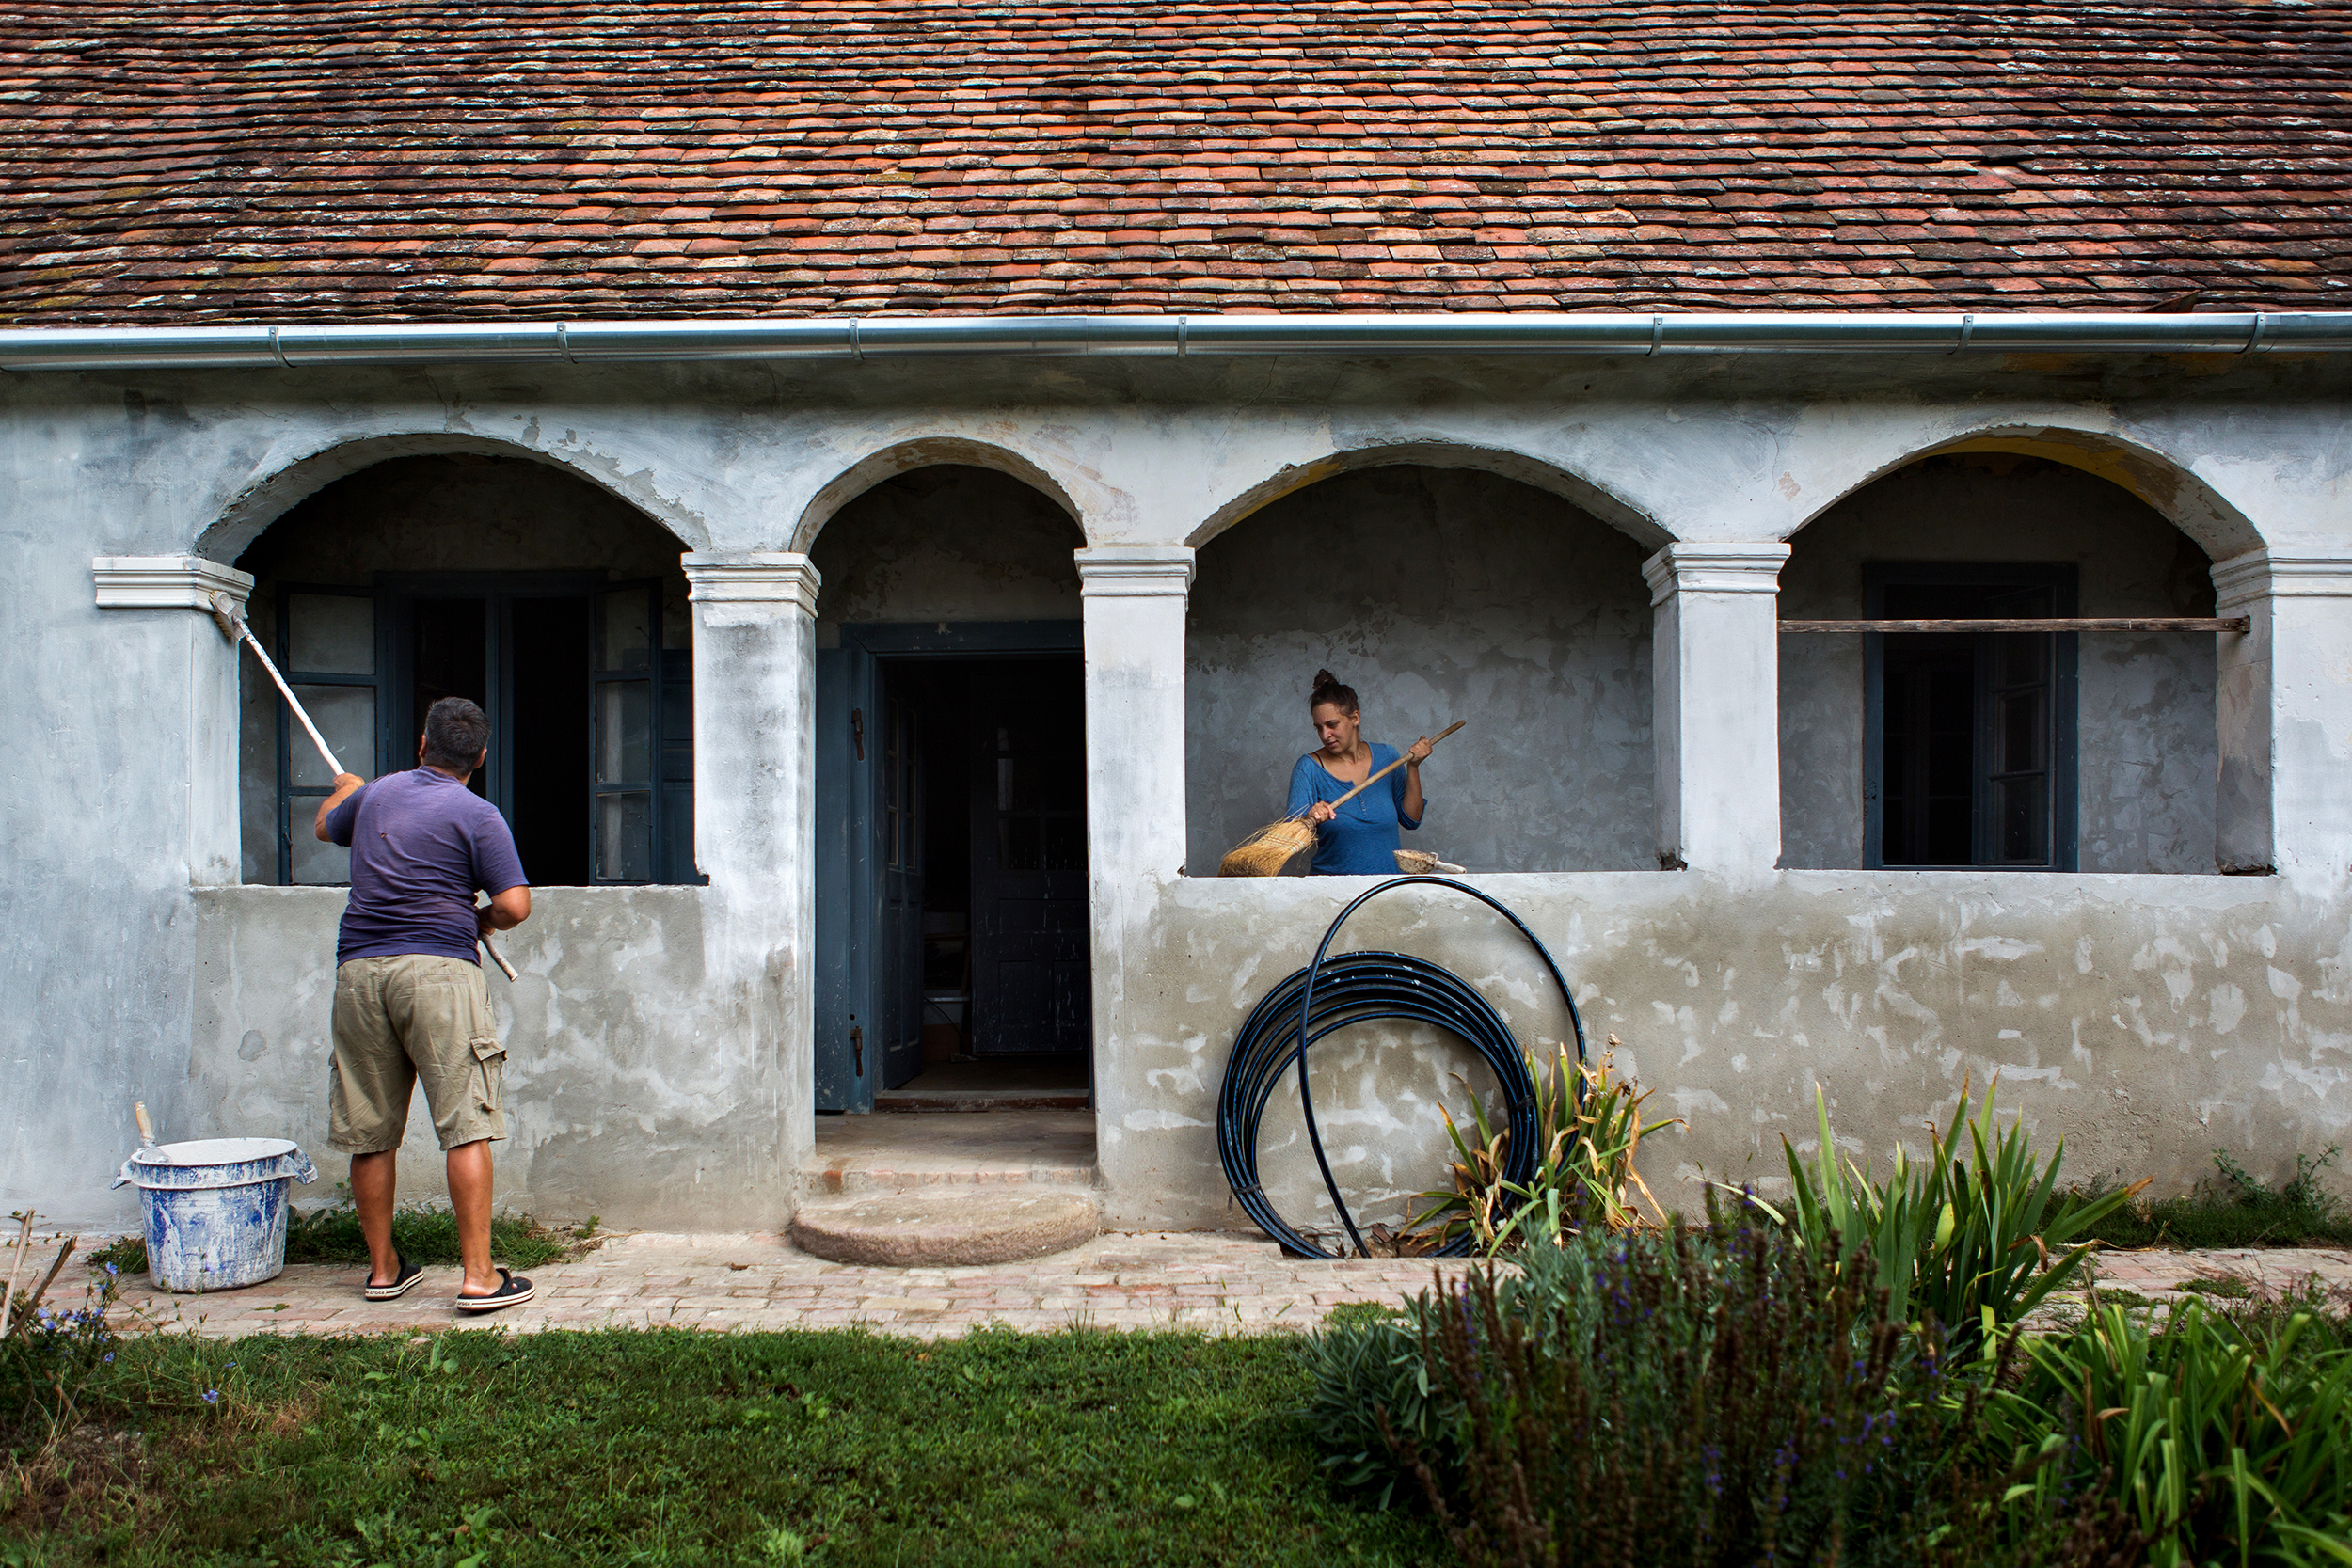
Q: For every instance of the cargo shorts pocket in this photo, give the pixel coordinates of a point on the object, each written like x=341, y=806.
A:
x=489, y=1054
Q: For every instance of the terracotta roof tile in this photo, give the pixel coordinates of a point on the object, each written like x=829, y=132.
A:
x=170, y=161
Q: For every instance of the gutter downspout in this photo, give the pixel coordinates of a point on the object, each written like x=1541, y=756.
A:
x=30, y=349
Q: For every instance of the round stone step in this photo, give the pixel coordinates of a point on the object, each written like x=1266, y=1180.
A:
x=950, y=1228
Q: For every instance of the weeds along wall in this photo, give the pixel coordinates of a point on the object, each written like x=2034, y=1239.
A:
x=1437, y=594
x=2147, y=763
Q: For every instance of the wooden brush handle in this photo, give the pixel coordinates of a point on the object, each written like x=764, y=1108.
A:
x=1394, y=765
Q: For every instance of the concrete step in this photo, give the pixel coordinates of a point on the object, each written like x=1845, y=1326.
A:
x=948, y=1227
x=929, y=1150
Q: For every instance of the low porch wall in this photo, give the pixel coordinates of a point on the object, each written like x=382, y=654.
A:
x=2147, y=1020
x=644, y=1077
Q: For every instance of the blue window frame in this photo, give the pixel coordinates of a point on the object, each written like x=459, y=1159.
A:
x=1970, y=740
x=591, y=719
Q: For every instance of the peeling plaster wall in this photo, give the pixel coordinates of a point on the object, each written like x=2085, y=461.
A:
x=1437, y=594
x=2146, y=718
x=2146, y=1020
x=625, y=1051
x=456, y=513
x=2208, y=1010
x=948, y=543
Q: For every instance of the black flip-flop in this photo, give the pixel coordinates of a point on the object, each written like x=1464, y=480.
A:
x=511, y=1292
x=403, y=1280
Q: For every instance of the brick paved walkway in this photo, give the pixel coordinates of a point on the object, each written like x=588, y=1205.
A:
x=1223, y=1282
x=1218, y=1281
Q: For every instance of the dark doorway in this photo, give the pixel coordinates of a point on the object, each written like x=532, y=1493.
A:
x=1030, y=990
x=952, y=838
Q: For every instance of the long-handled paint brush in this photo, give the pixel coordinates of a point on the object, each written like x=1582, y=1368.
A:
x=232, y=626
x=1273, y=846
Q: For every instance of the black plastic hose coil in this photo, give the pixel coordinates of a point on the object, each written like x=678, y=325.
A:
x=1332, y=993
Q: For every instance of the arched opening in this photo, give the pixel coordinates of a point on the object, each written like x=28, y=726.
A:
x=952, y=784
x=1439, y=594
x=557, y=606
x=2029, y=751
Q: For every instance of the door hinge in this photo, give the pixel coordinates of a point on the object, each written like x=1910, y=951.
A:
x=857, y=1048
x=857, y=730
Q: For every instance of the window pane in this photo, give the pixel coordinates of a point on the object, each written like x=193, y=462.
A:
x=625, y=837
x=331, y=634
x=346, y=716
x=624, y=732
x=2023, y=820
x=2021, y=731
x=2022, y=659
x=315, y=864
x=624, y=638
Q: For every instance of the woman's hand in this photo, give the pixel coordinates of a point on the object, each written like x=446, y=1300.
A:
x=1321, y=811
x=1419, y=753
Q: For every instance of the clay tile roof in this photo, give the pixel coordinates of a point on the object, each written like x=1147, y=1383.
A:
x=190, y=160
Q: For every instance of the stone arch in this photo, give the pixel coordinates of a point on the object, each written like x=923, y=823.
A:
x=924, y=453
x=263, y=502
x=2155, y=477
x=1540, y=473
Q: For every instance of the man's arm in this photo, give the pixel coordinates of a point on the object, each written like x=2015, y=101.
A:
x=505, y=912
x=345, y=785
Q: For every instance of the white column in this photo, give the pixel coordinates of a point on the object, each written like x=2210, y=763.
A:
x=755, y=824
x=2284, y=715
x=174, y=592
x=1715, y=705
x=1133, y=604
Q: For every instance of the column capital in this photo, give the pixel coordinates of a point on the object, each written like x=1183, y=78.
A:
x=1711, y=566
x=2267, y=574
x=751, y=577
x=1134, y=571
x=165, y=581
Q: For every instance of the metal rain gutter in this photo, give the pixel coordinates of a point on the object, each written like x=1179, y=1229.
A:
x=907, y=337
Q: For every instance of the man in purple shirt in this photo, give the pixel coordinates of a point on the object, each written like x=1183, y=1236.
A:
x=410, y=1005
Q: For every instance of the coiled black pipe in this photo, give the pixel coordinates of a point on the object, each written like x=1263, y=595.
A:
x=1361, y=988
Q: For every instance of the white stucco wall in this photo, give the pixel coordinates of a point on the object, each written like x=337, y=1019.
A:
x=667, y=1033
x=1437, y=594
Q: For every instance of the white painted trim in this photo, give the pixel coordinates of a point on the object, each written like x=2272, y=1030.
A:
x=1134, y=571
x=165, y=581
x=2267, y=574
x=751, y=577
x=1714, y=568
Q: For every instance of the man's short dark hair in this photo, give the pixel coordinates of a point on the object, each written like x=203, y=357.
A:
x=455, y=732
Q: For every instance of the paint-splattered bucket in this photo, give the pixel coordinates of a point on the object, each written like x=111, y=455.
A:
x=215, y=1209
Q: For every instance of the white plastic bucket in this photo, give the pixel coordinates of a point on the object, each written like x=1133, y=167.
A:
x=216, y=1209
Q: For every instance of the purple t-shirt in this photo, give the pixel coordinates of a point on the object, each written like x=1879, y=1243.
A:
x=421, y=844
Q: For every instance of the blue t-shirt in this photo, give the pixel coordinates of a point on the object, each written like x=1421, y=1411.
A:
x=1362, y=840
x=420, y=845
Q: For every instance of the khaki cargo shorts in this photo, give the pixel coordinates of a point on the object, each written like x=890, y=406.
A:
x=399, y=1020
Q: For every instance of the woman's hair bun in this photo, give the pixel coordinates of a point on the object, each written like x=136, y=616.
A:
x=1329, y=689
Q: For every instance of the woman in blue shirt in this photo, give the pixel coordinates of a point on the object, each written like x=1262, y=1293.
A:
x=1358, y=839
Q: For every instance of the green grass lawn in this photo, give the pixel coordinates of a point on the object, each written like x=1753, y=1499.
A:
x=673, y=1447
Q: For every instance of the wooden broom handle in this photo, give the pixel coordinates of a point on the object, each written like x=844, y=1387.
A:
x=1394, y=765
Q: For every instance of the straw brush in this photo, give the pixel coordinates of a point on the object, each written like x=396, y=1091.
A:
x=1273, y=846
